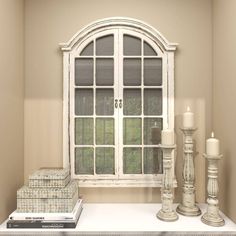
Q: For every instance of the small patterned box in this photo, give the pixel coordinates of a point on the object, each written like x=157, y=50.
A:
x=49, y=178
x=47, y=199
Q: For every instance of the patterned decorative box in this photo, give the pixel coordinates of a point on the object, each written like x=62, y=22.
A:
x=49, y=178
x=47, y=199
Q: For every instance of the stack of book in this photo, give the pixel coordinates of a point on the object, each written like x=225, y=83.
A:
x=46, y=220
x=50, y=200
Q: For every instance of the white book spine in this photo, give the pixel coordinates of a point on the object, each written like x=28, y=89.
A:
x=67, y=220
x=49, y=216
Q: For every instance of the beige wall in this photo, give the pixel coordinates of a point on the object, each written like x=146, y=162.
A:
x=50, y=22
x=224, y=109
x=11, y=103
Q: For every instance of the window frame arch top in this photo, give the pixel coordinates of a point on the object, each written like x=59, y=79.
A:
x=112, y=22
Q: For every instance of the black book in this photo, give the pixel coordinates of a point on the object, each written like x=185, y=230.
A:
x=40, y=224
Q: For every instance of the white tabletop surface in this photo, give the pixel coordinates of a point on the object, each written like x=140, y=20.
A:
x=128, y=218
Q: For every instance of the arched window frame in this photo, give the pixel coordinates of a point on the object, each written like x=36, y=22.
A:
x=70, y=50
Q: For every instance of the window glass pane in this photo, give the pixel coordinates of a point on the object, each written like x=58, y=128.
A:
x=88, y=50
x=104, y=131
x=105, y=162
x=132, y=102
x=84, y=71
x=132, y=131
x=132, y=160
x=152, y=102
x=132, y=45
x=104, y=71
x=84, y=131
x=153, y=71
x=152, y=130
x=152, y=161
x=105, y=45
x=148, y=50
x=84, y=161
x=104, y=102
x=132, y=71
x=84, y=102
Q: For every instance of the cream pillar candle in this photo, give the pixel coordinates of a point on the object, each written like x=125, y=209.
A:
x=188, y=119
x=167, y=137
x=212, y=146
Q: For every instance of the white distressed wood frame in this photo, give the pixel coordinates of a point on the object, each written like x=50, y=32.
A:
x=70, y=51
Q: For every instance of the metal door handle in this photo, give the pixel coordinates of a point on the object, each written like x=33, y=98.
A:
x=120, y=103
x=116, y=103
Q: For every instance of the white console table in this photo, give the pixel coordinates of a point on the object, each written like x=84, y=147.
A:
x=129, y=219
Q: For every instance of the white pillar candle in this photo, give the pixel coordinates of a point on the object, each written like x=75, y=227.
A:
x=188, y=119
x=212, y=146
x=167, y=137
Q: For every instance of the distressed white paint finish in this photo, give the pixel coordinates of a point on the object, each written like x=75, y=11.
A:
x=188, y=206
x=66, y=76
x=71, y=50
x=212, y=216
x=167, y=187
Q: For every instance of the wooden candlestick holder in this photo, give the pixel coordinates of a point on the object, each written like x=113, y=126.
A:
x=188, y=206
x=167, y=213
x=212, y=216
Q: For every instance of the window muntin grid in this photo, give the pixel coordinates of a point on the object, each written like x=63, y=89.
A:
x=164, y=118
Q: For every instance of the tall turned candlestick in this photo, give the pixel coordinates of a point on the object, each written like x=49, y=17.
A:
x=212, y=216
x=167, y=213
x=188, y=206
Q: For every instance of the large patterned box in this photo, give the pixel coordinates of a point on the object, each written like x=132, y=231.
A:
x=49, y=178
x=47, y=199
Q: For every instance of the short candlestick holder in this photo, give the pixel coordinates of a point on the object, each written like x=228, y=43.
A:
x=167, y=213
x=188, y=206
x=212, y=216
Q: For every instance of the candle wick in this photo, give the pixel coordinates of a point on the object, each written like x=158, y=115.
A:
x=212, y=134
